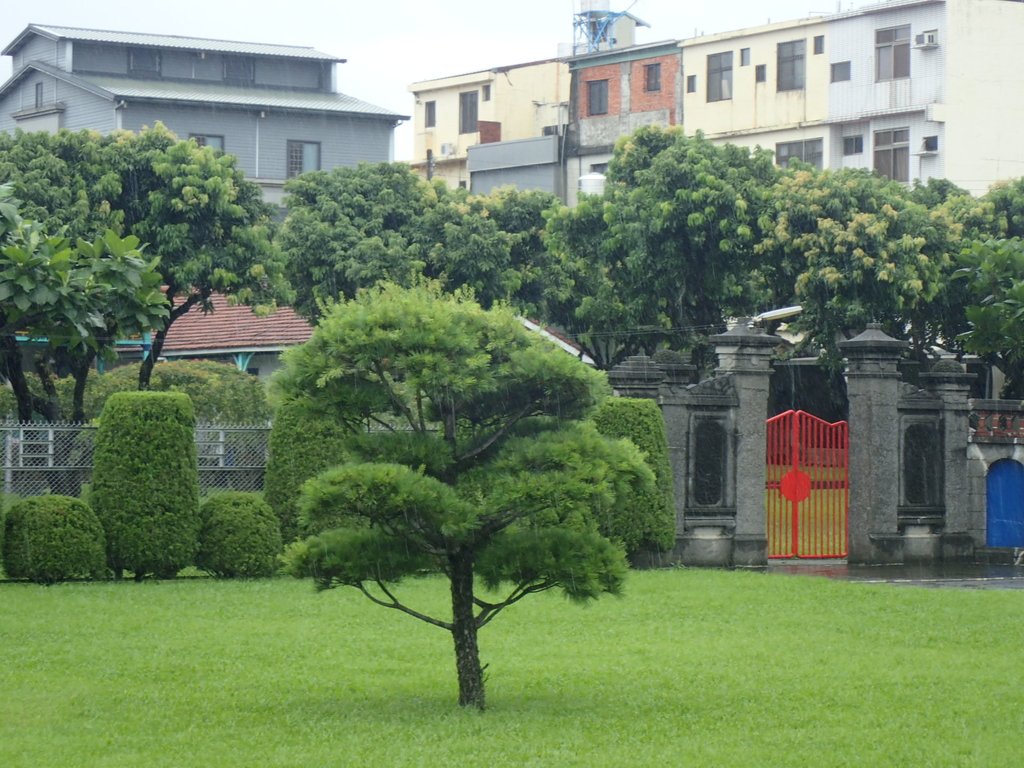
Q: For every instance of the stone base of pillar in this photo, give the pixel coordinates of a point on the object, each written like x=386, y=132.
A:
x=705, y=546
x=921, y=544
x=749, y=549
x=646, y=559
x=958, y=546
x=884, y=549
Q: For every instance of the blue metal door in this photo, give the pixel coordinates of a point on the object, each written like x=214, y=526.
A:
x=1005, y=487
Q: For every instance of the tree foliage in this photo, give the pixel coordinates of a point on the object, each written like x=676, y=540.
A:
x=71, y=301
x=476, y=466
x=352, y=227
x=190, y=205
x=667, y=253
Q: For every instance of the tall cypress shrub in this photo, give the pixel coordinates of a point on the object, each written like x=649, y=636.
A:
x=302, y=444
x=640, y=421
x=145, y=486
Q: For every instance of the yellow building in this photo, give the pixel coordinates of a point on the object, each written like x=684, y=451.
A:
x=452, y=114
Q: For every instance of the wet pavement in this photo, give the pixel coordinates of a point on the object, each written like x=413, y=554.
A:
x=956, y=575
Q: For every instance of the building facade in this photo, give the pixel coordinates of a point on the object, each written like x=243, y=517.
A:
x=452, y=114
x=274, y=107
x=913, y=89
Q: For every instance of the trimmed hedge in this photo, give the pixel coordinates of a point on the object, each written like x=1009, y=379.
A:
x=240, y=537
x=53, y=538
x=145, y=483
x=640, y=421
x=302, y=444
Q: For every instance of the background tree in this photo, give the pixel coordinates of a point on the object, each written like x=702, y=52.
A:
x=667, y=253
x=74, y=301
x=478, y=467
x=853, y=248
x=353, y=227
x=993, y=273
x=190, y=205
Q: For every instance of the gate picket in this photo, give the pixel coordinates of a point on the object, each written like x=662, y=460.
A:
x=807, y=490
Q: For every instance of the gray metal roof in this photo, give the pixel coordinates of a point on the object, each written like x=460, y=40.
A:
x=270, y=98
x=169, y=41
x=60, y=74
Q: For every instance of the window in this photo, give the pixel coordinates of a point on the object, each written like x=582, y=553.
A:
x=238, y=69
x=208, y=140
x=744, y=57
x=819, y=44
x=652, y=77
x=597, y=97
x=720, y=76
x=853, y=145
x=303, y=156
x=430, y=114
x=599, y=167
x=809, y=151
x=144, y=61
x=892, y=153
x=39, y=95
x=840, y=71
x=930, y=144
x=892, y=53
x=761, y=73
x=485, y=92
x=791, y=65
x=691, y=83
x=468, y=112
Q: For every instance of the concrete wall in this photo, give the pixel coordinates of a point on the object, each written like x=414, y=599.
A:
x=525, y=164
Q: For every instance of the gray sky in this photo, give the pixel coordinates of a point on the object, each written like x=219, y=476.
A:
x=392, y=43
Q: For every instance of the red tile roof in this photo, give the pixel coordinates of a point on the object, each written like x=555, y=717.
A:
x=237, y=327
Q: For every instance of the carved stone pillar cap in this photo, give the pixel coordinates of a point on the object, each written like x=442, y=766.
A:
x=873, y=341
x=640, y=369
x=742, y=335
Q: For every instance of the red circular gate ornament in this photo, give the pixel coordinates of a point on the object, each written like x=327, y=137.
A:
x=796, y=485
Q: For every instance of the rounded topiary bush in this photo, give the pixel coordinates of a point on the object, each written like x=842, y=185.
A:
x=53, y=538
x=302, y=444
x=641, y=422
x=145, y=483
x=240, y=536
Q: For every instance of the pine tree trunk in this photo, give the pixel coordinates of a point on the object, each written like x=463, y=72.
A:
x=464, y=631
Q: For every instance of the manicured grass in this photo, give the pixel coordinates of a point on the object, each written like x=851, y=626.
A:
x=690, y=668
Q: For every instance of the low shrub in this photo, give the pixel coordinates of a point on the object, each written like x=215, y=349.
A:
x=302, y=445
x=53, y=538
x=240, y=536
x=641, y=422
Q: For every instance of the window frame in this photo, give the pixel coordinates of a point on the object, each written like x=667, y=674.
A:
x=652, y=77
x=247, y=63
x=817, y=156
x=40, y=96
x=134, y=67
x=761, y=73
x=469, y=111
x=430, y=114
x=744, y=57
x=485, y=92
x=719, y=76
x=597, y=98
x=290, y=171
x=203, y=140
x=892, y=53
x=835, y=74
x=818, y=45
x=853, y=145
x=691, y=83
x=894, y=143
x=791, y=61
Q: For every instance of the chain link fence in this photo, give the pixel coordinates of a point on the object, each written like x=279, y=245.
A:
x=41, y=458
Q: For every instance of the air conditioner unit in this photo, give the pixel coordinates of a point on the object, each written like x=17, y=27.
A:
x=929, y=39
x=447, y=149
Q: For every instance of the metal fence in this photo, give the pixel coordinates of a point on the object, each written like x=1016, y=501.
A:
x=41, y=458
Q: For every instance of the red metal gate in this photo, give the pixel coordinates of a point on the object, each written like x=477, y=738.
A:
x=807, y=492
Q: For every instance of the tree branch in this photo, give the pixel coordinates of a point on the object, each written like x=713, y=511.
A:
x=395, y=399
x=398, y=606
x=500, y=433
x=489, y=610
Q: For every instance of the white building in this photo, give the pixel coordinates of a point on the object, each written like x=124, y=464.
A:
x=914, y=89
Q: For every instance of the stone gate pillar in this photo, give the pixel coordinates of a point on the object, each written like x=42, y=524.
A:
x=745, y=355
x=953, y=386
x=872, y=384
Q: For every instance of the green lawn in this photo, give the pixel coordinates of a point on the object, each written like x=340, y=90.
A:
x=690, y=668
